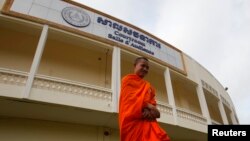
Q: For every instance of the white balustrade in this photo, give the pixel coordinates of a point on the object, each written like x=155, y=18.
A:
x=215, y=122
x=225, y=102
x=13, y=77
x=191, y=116
x=72, y=87
x=165, y=108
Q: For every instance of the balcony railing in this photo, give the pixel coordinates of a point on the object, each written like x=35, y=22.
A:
x=165, y=108
x=72, y=87
x=13, y=77
x=215, y=122
x=225, y=102
x=209, y=88
x=191, y=116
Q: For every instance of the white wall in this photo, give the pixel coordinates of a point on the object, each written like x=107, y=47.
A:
x=12, y=129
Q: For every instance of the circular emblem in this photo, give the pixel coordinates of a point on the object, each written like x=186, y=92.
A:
x=75, y=16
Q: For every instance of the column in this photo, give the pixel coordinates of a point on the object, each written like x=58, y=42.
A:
x=170, y=92
x=203, y=103
x=201, y=95
x=36, y=61
x=116, y=77
x=222, y=111
x=232, y=116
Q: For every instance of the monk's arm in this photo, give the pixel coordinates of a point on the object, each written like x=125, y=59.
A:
x=150, y=112
x=154, y=111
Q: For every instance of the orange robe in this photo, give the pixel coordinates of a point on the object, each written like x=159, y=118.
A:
x=135, y=93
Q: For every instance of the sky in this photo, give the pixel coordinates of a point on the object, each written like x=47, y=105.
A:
x=216, y=33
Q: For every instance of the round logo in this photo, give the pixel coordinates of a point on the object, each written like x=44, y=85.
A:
x=75, y=16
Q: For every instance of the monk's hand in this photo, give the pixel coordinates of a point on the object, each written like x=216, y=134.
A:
x=146, y=114
x=153, y=111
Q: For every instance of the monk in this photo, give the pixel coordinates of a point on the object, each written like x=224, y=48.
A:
x=137, y=107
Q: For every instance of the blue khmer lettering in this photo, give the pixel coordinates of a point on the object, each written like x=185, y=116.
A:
x=128, y=31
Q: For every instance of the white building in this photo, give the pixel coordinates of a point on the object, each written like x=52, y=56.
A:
x=60, y=69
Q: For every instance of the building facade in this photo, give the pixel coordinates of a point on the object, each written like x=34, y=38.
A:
x=61, y=65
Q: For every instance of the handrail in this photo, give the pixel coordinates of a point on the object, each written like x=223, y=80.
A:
x=215, y=122
x=10, y=76
x=164, y=107
x=77, y=83
x=68, y=86
x=225, y=102
x=190, y=115
x=15, y=72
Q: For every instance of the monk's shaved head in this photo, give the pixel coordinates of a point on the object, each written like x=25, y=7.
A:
x=138, y=59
